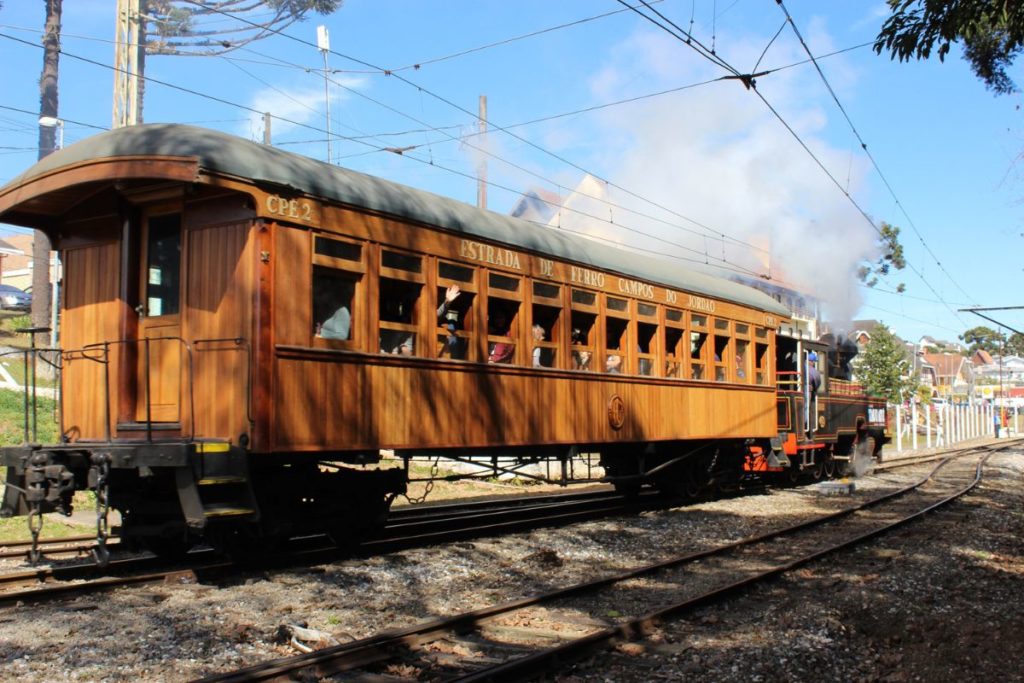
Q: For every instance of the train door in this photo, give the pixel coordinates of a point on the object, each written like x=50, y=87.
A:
x=159, y=348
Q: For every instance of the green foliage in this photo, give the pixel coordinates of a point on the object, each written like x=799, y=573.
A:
x=184, y=27
x=1015, y=344
x=991, y=32
x=982, y=337
x=882, y=367
x=12, y=418
x=892, y=257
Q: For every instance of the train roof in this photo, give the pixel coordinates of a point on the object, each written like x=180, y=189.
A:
x=263, y=164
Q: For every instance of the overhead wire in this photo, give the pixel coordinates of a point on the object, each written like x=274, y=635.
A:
x=495, y=126
x=749, y=80
x=707, y=258
x=864, y=146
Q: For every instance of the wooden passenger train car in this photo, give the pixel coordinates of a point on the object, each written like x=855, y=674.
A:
x=242, y=329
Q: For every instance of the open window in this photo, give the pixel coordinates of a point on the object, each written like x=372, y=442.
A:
x=616, y=335
x=762, y=369
x=646, y=338
x=743, y=354
x=546, y=328
x=456, y=293
x=698, y=346
x=503, y=304
x=723, y=350
x=676, y=354
x=583, y=335
x=337, y=291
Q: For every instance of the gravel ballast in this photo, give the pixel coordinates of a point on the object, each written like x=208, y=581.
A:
x=939, y=600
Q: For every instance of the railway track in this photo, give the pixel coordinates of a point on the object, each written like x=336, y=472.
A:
x=528, y=637
x=408, y=527
x=70, y=545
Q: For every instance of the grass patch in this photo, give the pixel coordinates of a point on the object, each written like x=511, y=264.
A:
x=12, y=418
x=55, y=526
x=11, y=321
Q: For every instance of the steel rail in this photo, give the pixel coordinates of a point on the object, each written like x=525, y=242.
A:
x=333, y=660
x=532, y=665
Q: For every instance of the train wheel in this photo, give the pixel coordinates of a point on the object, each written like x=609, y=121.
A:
x=818, y=471
x=828, y=467
x=791, y=476
x=693, y=482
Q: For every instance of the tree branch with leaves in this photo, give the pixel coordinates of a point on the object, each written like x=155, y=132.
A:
x=991, y=32
x=891, y=259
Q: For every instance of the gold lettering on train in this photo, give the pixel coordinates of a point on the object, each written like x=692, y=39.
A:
x=591, y=278
x=670, y=296
x=635, y=288
x=546, y=267
x=289, y=208
x=485, y=253
x=699, y=303
x=771, y=321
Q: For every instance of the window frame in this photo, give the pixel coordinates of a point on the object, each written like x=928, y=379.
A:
x=697, y=323
x=596, y=336
x=408, y=277
x=470, y=337
x=555, y=339
x=676, y=364
x=353, y=270
x=654, y=345
x=515, y=325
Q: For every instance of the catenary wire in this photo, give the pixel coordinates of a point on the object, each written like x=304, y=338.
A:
x=864, y=146
x=750, y=83
x=707, y=258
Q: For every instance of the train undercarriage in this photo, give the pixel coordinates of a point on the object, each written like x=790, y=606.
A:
x=173, y=496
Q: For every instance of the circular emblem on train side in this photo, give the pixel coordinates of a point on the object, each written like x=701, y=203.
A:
x=821, y=422
x=616, y=411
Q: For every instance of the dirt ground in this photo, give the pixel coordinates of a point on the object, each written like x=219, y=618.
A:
x=940, y=600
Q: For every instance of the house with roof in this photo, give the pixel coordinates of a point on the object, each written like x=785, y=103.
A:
x=11, y=258
x=954, y=374
x=16, y=262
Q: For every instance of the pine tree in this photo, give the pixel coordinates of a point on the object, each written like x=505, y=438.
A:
x=883, y=367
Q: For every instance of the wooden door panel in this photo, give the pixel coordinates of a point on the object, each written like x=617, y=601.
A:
x=164, y=371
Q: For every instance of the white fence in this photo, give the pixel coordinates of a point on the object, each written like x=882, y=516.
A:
x=943, y=425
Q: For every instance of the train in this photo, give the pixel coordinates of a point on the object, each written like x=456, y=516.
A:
x=244, y=330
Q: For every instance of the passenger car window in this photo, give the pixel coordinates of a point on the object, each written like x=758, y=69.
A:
x=333, y=298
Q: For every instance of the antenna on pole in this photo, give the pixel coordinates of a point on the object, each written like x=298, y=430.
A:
x=323, y=43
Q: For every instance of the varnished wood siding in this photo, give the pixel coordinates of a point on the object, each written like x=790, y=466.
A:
x=92, y=312
x=218, y=305
x=362, y=402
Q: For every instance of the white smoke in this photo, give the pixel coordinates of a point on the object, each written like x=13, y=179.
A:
x=717, y=155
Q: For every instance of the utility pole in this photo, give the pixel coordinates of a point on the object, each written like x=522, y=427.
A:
x=266, y=128
x=481, y=183
x=126, y=65
x=323, y=43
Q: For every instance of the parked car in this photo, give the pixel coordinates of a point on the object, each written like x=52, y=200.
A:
x=14, y=299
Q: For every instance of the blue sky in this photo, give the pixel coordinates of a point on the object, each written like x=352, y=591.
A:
x=702, y=173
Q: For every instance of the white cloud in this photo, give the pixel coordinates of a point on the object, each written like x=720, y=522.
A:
x=295, y=106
